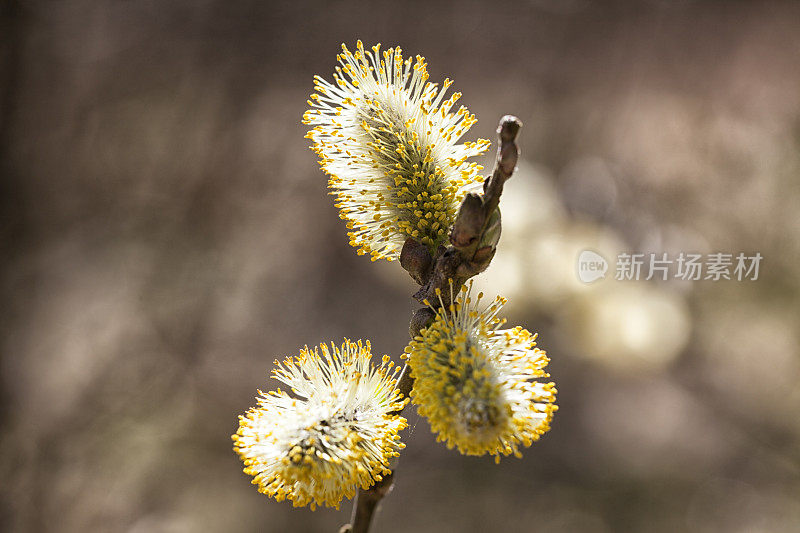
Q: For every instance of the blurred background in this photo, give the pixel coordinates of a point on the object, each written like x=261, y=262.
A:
x=166, y=233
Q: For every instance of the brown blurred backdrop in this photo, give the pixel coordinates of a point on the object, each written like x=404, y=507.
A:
x=166, y=234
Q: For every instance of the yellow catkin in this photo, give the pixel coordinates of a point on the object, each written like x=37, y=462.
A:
x=387, y=138
x=479, y=386
x=333, y=434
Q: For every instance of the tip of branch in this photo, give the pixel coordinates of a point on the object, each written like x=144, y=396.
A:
x=508, y=128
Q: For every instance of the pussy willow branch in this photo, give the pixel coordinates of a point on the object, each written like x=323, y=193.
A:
x=473, y=241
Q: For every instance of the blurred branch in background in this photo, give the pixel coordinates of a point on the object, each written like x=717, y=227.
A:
x=10, y=66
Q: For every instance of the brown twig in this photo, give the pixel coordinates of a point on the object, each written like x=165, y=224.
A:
x=476, y=230
x=473, y=241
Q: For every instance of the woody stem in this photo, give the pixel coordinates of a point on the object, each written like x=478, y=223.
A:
x=473, y=239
